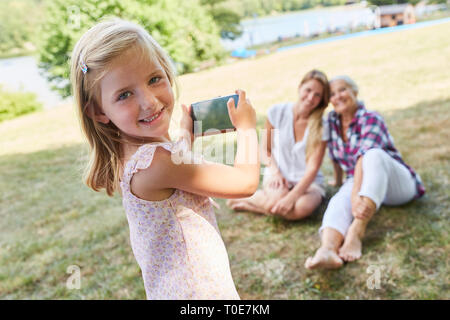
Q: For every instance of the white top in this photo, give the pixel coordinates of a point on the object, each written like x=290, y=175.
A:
x=289, y=155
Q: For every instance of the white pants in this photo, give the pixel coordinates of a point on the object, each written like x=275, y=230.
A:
x=385, y=180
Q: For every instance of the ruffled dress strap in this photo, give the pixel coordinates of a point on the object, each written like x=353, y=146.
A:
x=143, y=158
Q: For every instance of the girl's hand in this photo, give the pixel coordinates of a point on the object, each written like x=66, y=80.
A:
x=186, y=123
x=362, y=207
x=244, y=116
x=283, y=206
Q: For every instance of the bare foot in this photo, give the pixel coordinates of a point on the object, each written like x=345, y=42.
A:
x=351, y=249
x=324, y=258
x=231, y=202
x=238, y=205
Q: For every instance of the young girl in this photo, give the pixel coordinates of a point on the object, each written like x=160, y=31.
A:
x=122, y=83
x=292, y=186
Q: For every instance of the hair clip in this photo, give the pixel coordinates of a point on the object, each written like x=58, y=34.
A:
x=83, y=67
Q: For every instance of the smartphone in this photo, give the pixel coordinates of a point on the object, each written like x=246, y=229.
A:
x=211, y=116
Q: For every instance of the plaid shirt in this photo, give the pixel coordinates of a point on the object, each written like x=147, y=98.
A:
x=367, y=130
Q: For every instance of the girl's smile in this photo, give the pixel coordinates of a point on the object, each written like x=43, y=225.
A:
x=153, y=118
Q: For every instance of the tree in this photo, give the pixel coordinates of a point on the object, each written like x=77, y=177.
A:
x=227, y=19
x=183, y=28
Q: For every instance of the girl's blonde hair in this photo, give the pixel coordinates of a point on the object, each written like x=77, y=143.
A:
x=91, y=57
x=315, y=118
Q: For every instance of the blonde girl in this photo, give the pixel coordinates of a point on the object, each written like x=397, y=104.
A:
x=292, y=185
x=123, y=87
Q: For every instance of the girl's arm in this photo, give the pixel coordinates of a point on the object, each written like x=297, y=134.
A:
x=208, y=178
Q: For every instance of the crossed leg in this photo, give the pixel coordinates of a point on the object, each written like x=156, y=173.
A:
x=260, y=202
x=263, y=200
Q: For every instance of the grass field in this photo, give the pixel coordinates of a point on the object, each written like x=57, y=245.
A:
x=50, y=221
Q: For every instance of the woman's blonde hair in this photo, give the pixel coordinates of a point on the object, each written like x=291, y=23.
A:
x=91, y=57
x=315, y=118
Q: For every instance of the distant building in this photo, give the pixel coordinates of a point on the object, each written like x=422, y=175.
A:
x=397, y=14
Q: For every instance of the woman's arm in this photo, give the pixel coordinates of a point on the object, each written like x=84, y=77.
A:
x=357, y=178
x=312, y=167
x=284, y=205
x=269, y=160
x=337, y=172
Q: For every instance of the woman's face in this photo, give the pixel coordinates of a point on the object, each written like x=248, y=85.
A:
x=342, y=97
x=310, y=94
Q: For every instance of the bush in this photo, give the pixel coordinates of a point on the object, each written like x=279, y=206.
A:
x=184, y=29
x=15, y=104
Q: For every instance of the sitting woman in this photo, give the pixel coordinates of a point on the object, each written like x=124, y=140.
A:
x=292, y=183
x=360, y=144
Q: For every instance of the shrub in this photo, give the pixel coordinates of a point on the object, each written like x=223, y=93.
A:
x=14, y=104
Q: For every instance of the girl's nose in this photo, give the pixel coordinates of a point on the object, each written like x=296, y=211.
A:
x=148, y=100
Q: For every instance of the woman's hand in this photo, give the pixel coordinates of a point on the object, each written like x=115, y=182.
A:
x=186, y=123
x=284, y=205
x=277, y=181
x=362, y=207
x=243, y=116
x=334, y=183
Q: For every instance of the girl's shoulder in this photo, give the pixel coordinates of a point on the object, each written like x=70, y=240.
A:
x=147, y=168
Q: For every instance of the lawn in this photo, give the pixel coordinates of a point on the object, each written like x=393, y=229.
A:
x=50, y=220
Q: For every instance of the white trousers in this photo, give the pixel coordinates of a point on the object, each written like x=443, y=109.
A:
x=385, y=180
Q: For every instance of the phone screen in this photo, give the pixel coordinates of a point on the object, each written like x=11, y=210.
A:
x=211, y=116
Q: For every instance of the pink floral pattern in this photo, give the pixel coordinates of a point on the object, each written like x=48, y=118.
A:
x=176, y=241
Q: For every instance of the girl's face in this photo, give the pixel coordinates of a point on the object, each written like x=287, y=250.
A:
x=310, y=94
x=136, y=96
x=342, y=97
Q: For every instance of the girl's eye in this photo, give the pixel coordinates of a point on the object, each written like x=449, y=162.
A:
x=154, y=80
x=124, y=95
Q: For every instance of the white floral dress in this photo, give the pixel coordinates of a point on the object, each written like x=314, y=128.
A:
x=176, y=241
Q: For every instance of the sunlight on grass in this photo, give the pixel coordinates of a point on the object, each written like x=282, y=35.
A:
x=50, y=220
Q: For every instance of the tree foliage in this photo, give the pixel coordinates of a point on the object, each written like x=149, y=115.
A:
x=227, y=19
x=14, y=33
x=183, y=28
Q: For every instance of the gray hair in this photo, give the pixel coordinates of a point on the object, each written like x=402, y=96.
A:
x=349, y=81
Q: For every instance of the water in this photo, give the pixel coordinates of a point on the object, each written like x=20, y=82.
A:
x=270, y=29
x=22, y=74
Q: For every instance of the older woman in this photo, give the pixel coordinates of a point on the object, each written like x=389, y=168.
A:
x=359, y=144
x=292, y=183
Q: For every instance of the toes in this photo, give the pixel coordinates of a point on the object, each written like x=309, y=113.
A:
x=230, y=202
x=308, y=263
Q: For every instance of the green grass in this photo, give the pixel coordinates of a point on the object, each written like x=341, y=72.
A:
x=49, y=220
